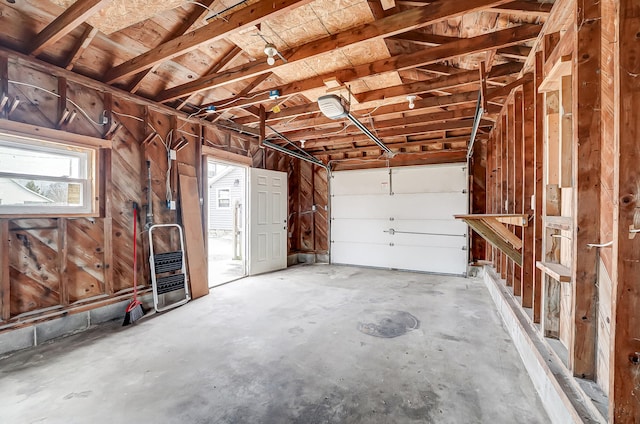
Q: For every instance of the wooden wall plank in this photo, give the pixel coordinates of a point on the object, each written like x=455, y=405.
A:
x=194, y=238
x=586, y=178
x=528, y=191
x=538, y=173
x=624, y=404
x=62, y=258
x=5, y=283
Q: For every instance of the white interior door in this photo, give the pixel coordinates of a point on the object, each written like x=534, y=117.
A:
x=400, y=218
x=267, y=221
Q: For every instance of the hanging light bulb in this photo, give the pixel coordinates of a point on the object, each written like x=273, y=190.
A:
x=270, y=50
x=411, y=99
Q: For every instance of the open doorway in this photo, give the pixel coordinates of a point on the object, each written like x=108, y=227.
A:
x=227, y=222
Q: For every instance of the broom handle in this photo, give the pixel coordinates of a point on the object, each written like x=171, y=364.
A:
x=135, y=255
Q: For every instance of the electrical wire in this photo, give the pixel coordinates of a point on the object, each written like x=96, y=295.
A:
x=242, y=98
x=100, y=124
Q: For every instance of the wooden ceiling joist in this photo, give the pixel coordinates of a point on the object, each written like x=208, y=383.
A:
x=69, y=20
x=421, y=58
x=422, y=158
x=395, y=146
x=422, y=38
x=391, y=25
x=529, y=8
x=242, y=19
x=433, y=118
x=442, y=82
x=386, y=123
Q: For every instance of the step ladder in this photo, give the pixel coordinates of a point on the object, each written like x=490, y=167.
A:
x=168, y=272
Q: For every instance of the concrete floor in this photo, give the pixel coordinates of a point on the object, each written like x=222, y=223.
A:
x=312, y=344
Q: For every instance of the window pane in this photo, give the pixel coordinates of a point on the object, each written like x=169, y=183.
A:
x=41, y=193
x=19, y=160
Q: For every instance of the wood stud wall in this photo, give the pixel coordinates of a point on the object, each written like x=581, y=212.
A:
x=53, y=266
x=577, y=176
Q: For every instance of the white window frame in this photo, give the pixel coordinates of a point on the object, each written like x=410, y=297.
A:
x=218, y=198
x=87, y=156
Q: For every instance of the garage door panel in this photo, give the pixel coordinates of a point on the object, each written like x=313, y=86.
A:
x=432, y=226
x=426, y=206
x=428, y=259
x=364, y=254
x=360, y=230
x=425, y=236
x=372, y=181
x=403, y=206
x=400, y=239
x=445, y=178
x=357, y=207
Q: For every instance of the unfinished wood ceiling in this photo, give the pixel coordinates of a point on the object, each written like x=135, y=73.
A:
x=373, y=53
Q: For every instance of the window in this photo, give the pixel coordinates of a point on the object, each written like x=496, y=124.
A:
x=224, y=198
x=45, y=178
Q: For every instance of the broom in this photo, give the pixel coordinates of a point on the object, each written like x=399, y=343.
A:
x=134, y=310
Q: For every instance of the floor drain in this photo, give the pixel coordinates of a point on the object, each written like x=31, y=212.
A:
x=388, y=324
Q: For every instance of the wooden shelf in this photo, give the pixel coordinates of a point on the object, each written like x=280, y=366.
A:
x=556, y=271
x=492, y=228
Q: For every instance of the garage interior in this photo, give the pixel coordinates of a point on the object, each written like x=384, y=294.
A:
x=435, y=210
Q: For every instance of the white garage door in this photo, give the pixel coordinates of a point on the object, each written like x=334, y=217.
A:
x=400, y=218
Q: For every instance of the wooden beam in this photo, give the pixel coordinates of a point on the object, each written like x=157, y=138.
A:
x=587, y=141
x=107, y=186
x=518, y=170
x=76, y=14
x=624, y=406
x=394, y=132
x=429, y=102
x=396, y=146
x=442, y=82
x=416, y=119
x=62, y=261
x=525, y=7
x=437, y=118
x=424, y=158
x=5, y=283
x=242, y=19
x=81, y=45
x=515, y=52
x=528, y=191
x=422, y=38
x=502, y=38
x=199, y=10
x=483, y=86
x=506, y=90
x=538, y=171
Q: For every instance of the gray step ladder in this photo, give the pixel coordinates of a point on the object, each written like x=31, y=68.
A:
x=168, y=273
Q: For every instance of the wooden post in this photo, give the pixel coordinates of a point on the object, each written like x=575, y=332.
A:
x=528, y=190
x=538, y=187
x=4, y=86
x=107, y=264
x=517, y=181
x=504, y=170
x=624, y=400
x=511, y=182
x=62, y=261
x=5, y=283
x=586, y=190
x=489, y=189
